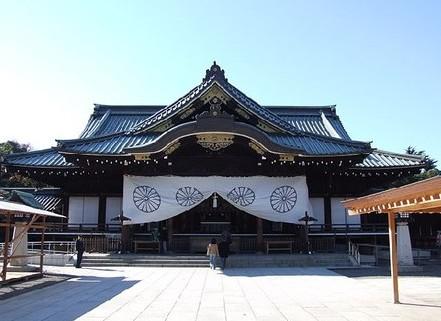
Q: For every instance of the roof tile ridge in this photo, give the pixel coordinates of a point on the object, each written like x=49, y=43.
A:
x=337, y=140
x=141, y=125
x=50, y=149
x=61, y=142
x=100, y=123
x=287, y=124
x=404, y=155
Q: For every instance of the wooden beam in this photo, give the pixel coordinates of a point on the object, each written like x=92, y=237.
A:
x=6, y=245
x=38, y=226
x=22, y=233
x=393, y=255
x=42, y=247
x=259, y=237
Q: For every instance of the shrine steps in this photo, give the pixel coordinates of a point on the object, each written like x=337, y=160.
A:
x=241, y=260
x=146, y=260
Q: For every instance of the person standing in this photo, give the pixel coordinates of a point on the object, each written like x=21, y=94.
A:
x=79, y=245
x=224, y=251
x=212, y=252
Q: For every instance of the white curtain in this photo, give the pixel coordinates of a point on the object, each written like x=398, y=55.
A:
x=152, y=199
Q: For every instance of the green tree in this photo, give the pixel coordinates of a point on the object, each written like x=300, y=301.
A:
x=429, y=162
x=12, y=179
x=428, y=171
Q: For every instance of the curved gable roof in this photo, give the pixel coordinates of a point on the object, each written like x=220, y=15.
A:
x=214, y=77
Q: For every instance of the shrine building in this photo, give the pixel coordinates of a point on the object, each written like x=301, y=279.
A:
x=213, y=160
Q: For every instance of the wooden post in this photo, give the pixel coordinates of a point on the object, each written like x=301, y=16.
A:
x=42, y=245
x=170, y=234
x=393, y=255
x=259, y=239
x=327, y=212
x=6, y=245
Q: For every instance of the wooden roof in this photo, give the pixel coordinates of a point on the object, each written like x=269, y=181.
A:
x=12, y=208
x=420, y=197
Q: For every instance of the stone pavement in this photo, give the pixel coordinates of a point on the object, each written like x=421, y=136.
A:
x=16, y=288
x=307, y=294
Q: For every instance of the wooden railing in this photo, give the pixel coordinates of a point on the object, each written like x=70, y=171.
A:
x=313, y=228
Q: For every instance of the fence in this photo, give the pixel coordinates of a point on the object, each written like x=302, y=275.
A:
x=53, y=247
x=102, y=244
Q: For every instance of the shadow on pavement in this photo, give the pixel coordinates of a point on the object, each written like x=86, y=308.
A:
x=422, y=305
x=68, y=301
x=288, y=271
x=428, y=270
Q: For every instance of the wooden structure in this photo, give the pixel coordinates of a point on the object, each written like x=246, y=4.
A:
x=214, y=129
x=419, y=197
x=31, y=218
x=152, y=246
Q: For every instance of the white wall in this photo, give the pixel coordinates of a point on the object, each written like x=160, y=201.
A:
x=339, y=214
x=318, y=209
x=113, y=208
x=83, y=210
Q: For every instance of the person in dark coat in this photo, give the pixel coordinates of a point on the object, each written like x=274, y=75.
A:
x=79, y=245
x=224, y=251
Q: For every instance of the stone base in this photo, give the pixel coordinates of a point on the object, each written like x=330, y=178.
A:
x=24, y=268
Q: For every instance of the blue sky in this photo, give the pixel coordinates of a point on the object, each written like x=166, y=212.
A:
x=378, y=61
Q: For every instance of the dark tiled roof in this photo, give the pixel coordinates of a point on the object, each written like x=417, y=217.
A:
x=24, y=198
x=215, y=76
x=40, y=158
x=113, y=144
x=123, y=118
x=109, y=119
x=316, y=145
x=321, y=120
x=49, y=202
x=383, y=159
x=110, y=129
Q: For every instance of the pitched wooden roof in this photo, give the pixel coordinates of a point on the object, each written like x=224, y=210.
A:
x=420, y=197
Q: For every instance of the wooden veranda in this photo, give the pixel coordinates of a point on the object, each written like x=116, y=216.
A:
x=419, y=197
x=30, y=218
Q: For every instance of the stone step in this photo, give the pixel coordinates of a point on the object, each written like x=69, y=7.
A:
x=279, y=260
x=112, y=264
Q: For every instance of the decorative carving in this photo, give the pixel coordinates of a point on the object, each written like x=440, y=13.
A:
x=215, y=91
x=215, y=71
x=187, y=113
x=242, y=113
x=142, y=157
x=146, y=199
x=286, y=157
x=163, y=126
x=215, y=142
x=265, y=127
x=256, y=148
x=283, y=199
x=215, y=111
x=172, y=148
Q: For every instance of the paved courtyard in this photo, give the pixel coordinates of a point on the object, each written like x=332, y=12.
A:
x=182, y=294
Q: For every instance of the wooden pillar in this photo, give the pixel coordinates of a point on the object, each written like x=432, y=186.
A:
x=6, y=245
x=259, y=238
x=170, y=233
x=393, y=255
x=102, y=213
x=42, y=245
x=328, y=212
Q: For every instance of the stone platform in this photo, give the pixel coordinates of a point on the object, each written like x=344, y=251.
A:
x=248, y=294
x=237, y=260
